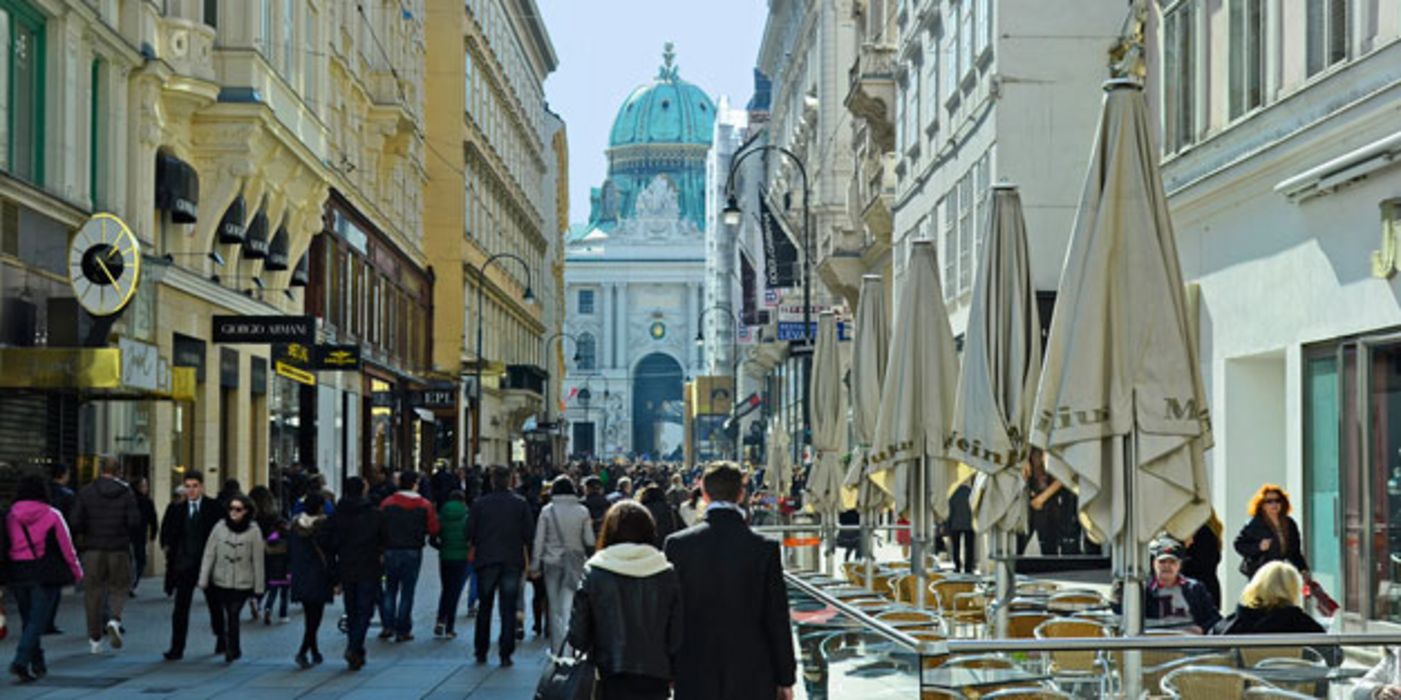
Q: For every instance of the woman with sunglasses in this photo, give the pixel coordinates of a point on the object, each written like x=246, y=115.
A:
x=1271, y=535
x=232, y=569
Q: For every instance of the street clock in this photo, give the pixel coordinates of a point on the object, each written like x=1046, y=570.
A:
x=104, y=265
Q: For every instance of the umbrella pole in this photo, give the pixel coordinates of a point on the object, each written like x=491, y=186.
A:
x=830, y=543
x=919, y=526
x=1133, y=571
x=1004, y=576
x=867, y=528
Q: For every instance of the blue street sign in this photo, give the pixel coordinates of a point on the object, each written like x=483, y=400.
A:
x=793, y=330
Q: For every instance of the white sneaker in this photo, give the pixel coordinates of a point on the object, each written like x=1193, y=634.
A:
x=114, y=632
x=95, y=645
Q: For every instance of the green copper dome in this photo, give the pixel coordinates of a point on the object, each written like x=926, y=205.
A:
x=667, y=110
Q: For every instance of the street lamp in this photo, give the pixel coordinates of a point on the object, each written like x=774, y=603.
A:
x=734, y=366
x=528, y=297
x=561, y=335
x=731, y=216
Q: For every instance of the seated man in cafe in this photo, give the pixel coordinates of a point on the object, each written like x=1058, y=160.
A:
x=1173, y=599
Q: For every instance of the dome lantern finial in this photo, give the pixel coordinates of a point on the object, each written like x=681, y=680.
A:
x=669, y=69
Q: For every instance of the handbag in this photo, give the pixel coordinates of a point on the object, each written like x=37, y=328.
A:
x=567, y=678
x=50, y=569
x=1324, y=603
x=572, y=561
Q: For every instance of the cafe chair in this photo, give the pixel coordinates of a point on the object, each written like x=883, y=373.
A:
x=1036, y=587
x=1291, y=662
x=1191, y=682
x=1075, y=601
x=931, y=661
x=904, y=588
x=1028, y=694
x=948, y=589
x=1273, y=693
x=983, y=661
x=1250, y=657
x=1158, y=663
x=941, y=694
x=970, y=610
x=907, y=617
x=1076, y=667
x=1022, y=625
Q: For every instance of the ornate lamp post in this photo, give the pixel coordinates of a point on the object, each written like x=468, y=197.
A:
x=528, y=296
x=734, y=367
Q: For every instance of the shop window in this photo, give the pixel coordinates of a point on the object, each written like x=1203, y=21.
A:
x=1328, y=33
x=1247, y=55
x=22, y=91
x=96, y=143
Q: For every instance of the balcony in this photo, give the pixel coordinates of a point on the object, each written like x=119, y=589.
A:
x=877, y=194
x=871, y=94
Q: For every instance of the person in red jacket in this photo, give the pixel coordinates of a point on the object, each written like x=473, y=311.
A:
x=409, y=520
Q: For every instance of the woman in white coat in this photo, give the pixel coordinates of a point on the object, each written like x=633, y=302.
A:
x=563, y=539
x=232, y=569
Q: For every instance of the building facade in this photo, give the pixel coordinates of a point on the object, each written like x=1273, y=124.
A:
x=218, y=131
x=488, y=131
x=634, y=274
x=1277, y=123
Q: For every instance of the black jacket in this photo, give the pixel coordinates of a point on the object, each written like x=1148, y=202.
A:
x=106, y=515
x=62, y=498
x=1248, y=545
x=664, y=517
x=500, y=529
x=184, y=549
x=148, y=528
x=961, y=509
x=738, y=643
x=357, y=541
x=1286, y=619
x=597, y=504
x=626, y=624
x=310, y=560
x=1202, y=558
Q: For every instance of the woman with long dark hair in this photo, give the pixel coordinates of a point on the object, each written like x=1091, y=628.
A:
x=232, y=569
x=627, y=611
x=312, y=583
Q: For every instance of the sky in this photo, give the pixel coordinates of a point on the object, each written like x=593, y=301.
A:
x=608, y=47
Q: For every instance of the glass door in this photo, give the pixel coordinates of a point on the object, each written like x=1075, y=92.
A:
x=1379, y=372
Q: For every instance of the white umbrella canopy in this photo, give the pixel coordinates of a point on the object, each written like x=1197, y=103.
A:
x=1119, y=361
x=824, y=483
x=917, y=396
x=872, y=347
x=1001, y=368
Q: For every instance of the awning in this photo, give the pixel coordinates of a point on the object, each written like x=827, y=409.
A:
x=425, y=415
x=301, y=274
x=177, y=188
x=276, y=260
x=231, y=229
x=255, y=244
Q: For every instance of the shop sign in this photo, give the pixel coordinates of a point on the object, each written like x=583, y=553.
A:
x=444, y=397
x=228, y=368
x=293, y=361
x=189, y=352
x=258, y=377
x=182, y=383
x=337, y=358
x=794, y=330
x=140, y=364
x=264, y=329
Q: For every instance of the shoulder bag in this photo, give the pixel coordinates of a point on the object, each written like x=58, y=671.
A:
x=50, y=569
x=567, y=678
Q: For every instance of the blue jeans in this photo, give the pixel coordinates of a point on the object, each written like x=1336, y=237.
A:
x=400, y=578
x=507, y=580
x=453, y=575
x=36, y=605
x=359, y=606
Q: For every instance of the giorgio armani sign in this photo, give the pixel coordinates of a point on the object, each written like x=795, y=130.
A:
x=264, y=329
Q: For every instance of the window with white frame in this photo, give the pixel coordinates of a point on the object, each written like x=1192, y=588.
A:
x=587, y=352
x=1247, y=55
x=965, y=38
x=948, y=67
x=586, y=300
x=983, y=26
x=982, y=190
x=912, y=109
x=948, y=208
x=1179, y=75
x=930, y=91
x=902, y=102
x=1327, y=33
x=966, y=220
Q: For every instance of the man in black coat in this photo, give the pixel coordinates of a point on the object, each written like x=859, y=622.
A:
x=357, y=540
x=737, y=641
x=500, y=530
x=103, y=519
x=184, y=532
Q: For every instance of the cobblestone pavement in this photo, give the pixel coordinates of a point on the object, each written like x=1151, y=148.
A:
x=423, y=668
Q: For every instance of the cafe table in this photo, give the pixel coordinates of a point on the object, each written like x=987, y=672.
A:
x=957, y=678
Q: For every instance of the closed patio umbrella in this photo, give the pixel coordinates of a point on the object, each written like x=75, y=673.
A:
x=824, y=483
x=872, y=347
x=909, y=459
x=1121, y=411
x=997, y=388
x=778, y=472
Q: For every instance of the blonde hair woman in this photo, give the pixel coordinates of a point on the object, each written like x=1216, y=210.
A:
x=1271, y=603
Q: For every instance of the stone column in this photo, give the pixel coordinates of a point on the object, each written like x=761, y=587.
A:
x=621, y=324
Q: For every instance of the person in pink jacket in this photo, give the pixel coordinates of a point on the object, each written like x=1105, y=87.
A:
x=33, y=527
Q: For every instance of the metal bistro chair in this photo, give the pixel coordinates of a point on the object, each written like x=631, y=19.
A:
x=905, y=618
x=1022, y=625
x=1156, y=667
x=948, y=588
x=982, y=661
x=1028, y=694
x=1036, y=587
x=1192, y=682
x=1065, y=602
x=1303, y=661
x=925, y=636
x=970, y=610
x=904, y=588
x=1076, y=667
x=1271, y=693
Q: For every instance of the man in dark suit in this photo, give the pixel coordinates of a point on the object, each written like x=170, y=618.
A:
x=737, y=642
x=184, y=532
x=500, y=530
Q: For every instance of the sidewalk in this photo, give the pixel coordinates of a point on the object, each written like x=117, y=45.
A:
x=423, y=668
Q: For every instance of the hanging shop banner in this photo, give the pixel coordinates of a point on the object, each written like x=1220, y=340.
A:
x=780, y=255
x=434, y=397
x=264, y=329
x=293, y=361
x=337, y=358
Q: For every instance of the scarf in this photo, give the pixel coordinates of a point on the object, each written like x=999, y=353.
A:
x=237, y=525
x=627, y=559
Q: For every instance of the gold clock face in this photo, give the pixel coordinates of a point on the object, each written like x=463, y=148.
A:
x=104, y=265
x=658, y=330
